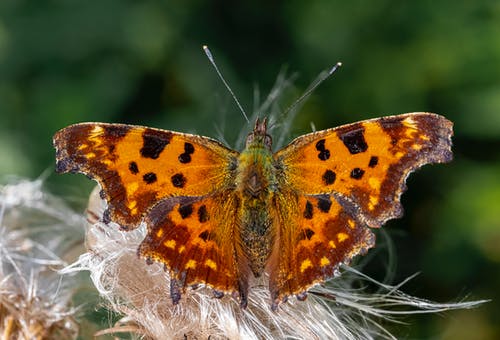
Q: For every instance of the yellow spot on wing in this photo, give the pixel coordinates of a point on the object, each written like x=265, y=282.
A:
x=132, y=187
x=159, y=233
x=332, y=244
x=374, y=182
x=324, y=261
x=170, y=244
x=211, y=264
x=351, y=224
x=342, y=237
x=305, y=264
x=181, y=249
x=191, y=264
x=132, y=204
x=373, y=202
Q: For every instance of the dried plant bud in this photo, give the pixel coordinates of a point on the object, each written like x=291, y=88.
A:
x=140, y=293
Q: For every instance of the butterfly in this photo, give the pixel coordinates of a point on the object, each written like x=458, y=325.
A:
x=219, y=217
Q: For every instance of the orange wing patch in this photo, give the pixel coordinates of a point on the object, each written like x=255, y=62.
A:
x=192, y=237
x=319, y=235
x=137, y=166
x=367, y=162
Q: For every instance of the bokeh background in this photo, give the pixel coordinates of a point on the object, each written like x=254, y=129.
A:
x=141, y=62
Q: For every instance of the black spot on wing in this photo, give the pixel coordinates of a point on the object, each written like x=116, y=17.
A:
x=134, y=169
x=324, y=204
x=202, y=214
x=184, y=158
x=373, y=161
x=308, y=212
x=204, y=235
x=149, y=178
x=357, y=173
x=391, y=123
x=186, y=210
x=329, y=177
x=320, y=145
x=115, y=132
x=188, y=148
x=188, y=151
x=324, y=153
x=154, y=142
x=178, y=180
x=308, y=233
x=354, y=140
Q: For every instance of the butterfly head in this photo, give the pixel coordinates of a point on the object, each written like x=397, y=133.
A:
x=259, y=136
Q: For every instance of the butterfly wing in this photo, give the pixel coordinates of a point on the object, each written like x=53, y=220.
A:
x=137, y=166
x=320, y=234
x=361, y=170
x=193, y=237
x=179, y=184
x=367, y=162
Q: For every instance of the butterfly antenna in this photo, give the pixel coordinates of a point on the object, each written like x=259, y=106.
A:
x=322, y=78
x=212, y=60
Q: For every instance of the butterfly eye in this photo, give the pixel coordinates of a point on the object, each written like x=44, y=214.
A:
x=250, y=139
x=268, y=141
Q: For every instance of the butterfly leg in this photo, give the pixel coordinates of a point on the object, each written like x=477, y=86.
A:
x=175, y=291
x=243, y=293
x=218, y=294
x=176, y=285
x=301, y=296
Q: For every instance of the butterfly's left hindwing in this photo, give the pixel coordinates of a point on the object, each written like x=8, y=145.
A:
x=137, y=166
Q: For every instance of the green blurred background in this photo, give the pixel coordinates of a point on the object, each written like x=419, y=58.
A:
x=141, y=62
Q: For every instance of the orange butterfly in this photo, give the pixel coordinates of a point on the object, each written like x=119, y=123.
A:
x=218, y=217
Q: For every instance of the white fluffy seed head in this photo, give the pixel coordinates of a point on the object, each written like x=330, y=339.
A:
x=140, y=292
x=37, y=232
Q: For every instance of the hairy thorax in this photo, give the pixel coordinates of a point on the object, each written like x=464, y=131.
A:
x=255, y=183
